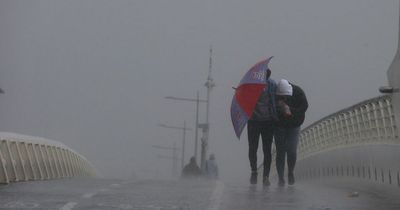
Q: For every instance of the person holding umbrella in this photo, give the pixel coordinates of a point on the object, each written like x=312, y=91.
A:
x=262, y=124
x=291, y=106
x=254, y=104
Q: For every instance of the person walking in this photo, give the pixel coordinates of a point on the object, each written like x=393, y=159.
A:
x=211, y=167
x=262, y=123
x=291, y=107
x=191, y=170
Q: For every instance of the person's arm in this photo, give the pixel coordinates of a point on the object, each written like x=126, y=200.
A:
x=284, y=109
x=301, y=102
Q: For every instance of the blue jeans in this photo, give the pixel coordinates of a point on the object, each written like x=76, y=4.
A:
x=286, y=140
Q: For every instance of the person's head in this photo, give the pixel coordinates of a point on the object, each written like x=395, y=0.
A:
x=284, y=89
x=212, y=157
x=193, y=160
x=268, y=73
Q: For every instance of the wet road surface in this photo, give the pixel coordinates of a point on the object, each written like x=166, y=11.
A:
x=181, y=195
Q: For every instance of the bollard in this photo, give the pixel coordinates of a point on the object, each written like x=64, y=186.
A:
x=358, y=172
x=376, y=175
x=369, y=172
x=363, y=170
x=352, y=170
x=398, y=179
x=342, y=170
x=390, y=177
x=383, y=177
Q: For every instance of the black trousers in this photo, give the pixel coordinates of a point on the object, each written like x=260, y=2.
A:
x=254, y=130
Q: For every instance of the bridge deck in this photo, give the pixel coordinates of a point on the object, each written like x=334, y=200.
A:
x=174, y=195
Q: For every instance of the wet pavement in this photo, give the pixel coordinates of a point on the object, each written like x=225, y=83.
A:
x=106, y=194
x=184, y=195
x=322, y=195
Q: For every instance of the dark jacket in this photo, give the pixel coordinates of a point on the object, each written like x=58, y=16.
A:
x=191, y=169
x=265, y=109
x=298, y=105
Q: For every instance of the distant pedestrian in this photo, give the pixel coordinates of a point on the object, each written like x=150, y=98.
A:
x=191, y=170
x=211, y=167
x=262, y=123
x=291, y=106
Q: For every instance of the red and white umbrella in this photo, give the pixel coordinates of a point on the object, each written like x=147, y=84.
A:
x=247, y=94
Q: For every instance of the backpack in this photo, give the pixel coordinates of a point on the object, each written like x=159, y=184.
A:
x=265, y=109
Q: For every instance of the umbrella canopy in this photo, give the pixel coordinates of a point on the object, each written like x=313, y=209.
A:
x=247, y=94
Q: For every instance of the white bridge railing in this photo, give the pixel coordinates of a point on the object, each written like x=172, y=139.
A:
x=369, y=122
x=24, y=158
x=364, y=141
x=361, y=141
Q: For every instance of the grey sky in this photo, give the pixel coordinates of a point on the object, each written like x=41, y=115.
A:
x=93, y=74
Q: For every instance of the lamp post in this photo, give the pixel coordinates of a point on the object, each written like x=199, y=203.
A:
x=184, y=129
x=174, y=156
x=206, y=128
x=393, y=74
x=197, y=101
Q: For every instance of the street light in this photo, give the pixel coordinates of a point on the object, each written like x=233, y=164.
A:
x=166, y=157
x=197, y=101
x=185, y=99
x=210, y=84
x=388, y=89
x=174, y=156
x=184, y=129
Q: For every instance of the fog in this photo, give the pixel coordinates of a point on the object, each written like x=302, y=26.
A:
x=93, y=74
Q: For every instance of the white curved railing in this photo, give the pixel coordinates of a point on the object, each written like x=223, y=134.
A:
x=24, y=158
x=369, y=122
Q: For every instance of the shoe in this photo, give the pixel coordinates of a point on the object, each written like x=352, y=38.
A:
x=266, y=181
x=253, y=178
x=291, y=179
x=281, y=182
